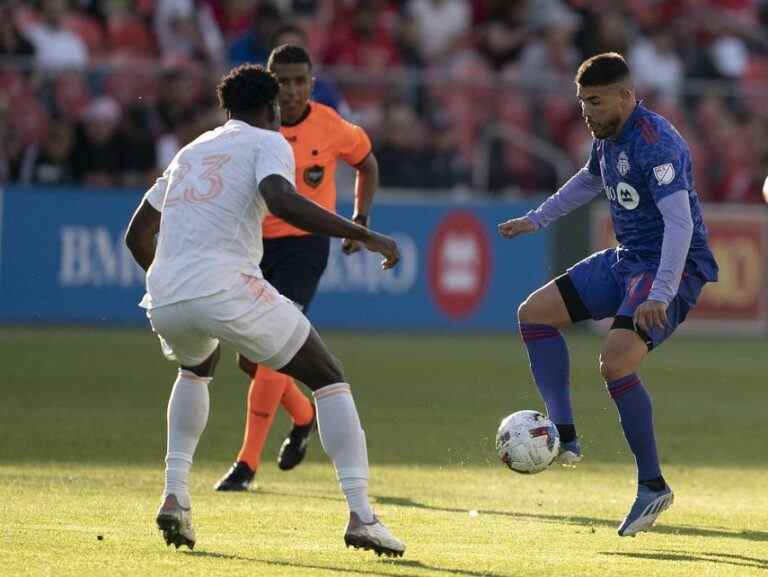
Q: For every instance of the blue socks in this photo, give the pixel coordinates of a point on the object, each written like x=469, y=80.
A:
x=636, y=415
x=550, y=365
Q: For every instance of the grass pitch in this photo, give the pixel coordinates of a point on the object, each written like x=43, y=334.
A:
x=82, y=437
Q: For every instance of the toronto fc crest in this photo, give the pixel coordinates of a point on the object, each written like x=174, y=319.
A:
x=623, y=164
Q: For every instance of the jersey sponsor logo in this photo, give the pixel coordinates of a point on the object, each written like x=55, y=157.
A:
x=625, y=194
x=459, y=264
x=313, y=175
x=664, y=173
x=623, y=164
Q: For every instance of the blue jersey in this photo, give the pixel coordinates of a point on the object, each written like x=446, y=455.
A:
x=646, y=162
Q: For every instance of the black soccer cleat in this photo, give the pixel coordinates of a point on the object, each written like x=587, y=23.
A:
x=294, y=447
x=240, y=477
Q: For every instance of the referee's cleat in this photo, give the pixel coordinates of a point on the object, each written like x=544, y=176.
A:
x=240, y=477
x=294, y=447
x=176, y=523
x=373, y=536
x=570, y=453
x=647, y=507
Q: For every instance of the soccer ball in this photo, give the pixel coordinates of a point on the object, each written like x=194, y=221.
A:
x=527, y=442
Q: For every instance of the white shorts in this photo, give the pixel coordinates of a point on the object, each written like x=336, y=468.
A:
x=252, y=316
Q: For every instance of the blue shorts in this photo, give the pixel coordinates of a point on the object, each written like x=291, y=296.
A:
x=294, y=265
x=607, y=292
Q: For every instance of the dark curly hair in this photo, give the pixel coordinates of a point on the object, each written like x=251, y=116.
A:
x=247, y=88
x=602, y=69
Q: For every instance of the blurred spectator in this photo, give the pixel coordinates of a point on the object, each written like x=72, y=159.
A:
x=254, y=45
x=182, y=96
x=139, y=147
x=127, y=34
x=552, y=56
x=445, y=167
x=442, y=26
x=504, y=35
x=400, y=150
x=186, y=29
x=99, y=150
x=361, y=38
x=10, y=151
x=656, y=67
x=55, y=47
x=12, y=42
x=233, y=17
x=49, y=162
x=606, y=31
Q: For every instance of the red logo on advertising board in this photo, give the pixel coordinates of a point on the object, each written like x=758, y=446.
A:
x=459, y=264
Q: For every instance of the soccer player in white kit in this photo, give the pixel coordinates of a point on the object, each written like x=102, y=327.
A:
x=197, y=233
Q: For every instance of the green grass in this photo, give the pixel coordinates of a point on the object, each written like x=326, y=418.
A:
x=82, y=437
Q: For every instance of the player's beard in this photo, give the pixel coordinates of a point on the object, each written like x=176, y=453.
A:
x=605, y=130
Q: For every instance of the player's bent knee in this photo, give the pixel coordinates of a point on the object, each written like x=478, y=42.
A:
x=246, y=366
x=532, y=310
x=619, y=360
x=524, y=312
x=544, y=306
x=208, y=366
x=612, y=367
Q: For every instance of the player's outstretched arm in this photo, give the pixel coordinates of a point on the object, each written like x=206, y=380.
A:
x=141, y=234
x=579, y=190
x=284, y=202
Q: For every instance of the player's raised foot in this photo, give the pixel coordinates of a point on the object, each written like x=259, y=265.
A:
x=646, y=508
x=570, y=453
x=176, y=523
x=373, y=536
x=240, y=477
x=294, y=447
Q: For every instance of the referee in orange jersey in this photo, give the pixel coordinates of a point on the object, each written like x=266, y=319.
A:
x=294, y=260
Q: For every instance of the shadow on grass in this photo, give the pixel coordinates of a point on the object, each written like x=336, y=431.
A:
x=584, y=521
x=346, y=570
x=677, y=556
x=261, y=491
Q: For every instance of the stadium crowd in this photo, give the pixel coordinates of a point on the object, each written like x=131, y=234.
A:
x=456, y=94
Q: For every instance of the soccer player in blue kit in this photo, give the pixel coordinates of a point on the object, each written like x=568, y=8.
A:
x=648, y=284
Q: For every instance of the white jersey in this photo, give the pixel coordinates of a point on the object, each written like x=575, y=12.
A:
x=210, y=229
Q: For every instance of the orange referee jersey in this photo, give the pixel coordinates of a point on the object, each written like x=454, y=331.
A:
x=318, y=141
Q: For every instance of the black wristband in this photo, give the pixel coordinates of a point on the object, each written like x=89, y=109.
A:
x=361, y=219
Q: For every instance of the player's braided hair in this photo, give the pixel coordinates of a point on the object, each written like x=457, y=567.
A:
x=602, y=69
x=289, y=54
x=247, y=88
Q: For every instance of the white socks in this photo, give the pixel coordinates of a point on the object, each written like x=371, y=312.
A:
x=187, y=416
x=343, y=440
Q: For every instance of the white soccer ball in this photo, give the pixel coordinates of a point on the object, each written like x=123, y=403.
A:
x=527, y=442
